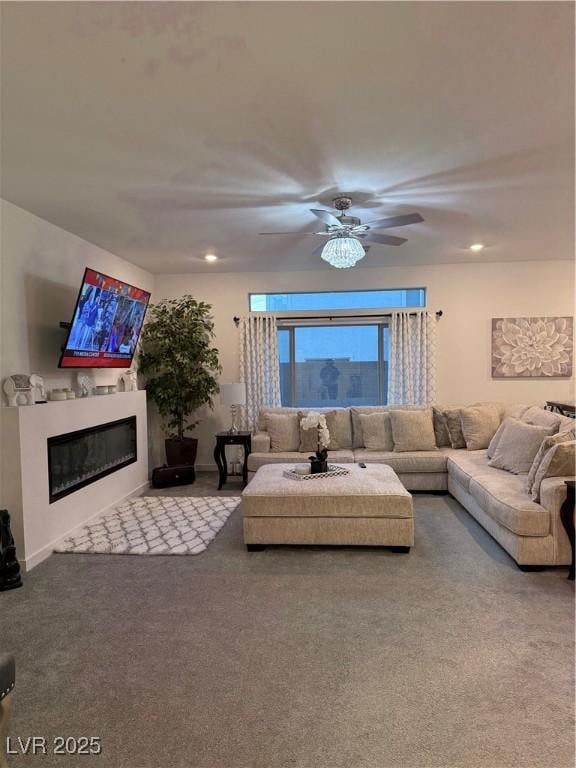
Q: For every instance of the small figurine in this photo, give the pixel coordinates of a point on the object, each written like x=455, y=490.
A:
x=37, y=384
x=18, y=390
x=130, y=380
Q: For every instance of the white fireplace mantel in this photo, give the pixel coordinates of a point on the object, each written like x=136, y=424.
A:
x=38, y=525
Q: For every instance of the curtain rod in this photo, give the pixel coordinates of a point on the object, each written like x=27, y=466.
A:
x=340, y=317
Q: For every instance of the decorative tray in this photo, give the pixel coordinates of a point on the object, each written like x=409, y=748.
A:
x=333, y=471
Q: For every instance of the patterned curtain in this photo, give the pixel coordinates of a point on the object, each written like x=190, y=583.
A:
x=259, y=366
x=412, y=368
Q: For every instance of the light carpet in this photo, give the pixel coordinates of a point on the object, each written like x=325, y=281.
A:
x=299, y=657
x=154, y=525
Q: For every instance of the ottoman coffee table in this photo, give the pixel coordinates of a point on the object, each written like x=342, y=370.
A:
x=367, y=507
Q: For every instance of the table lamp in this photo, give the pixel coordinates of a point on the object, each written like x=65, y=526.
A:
x=233, y=395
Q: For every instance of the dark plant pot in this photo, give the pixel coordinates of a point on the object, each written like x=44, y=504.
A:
x=318, y=465
x=180, y=452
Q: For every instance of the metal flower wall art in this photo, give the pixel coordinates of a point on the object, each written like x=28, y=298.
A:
x=537, y=347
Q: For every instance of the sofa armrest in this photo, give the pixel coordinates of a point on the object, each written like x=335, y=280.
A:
x=553, y=493
x=261, y=442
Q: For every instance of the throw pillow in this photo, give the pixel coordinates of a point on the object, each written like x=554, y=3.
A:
x=284, y=431
x=308, y=442
x=440, y=428
x=377, y=431
x=454, y=427
x=479, y=425
x=340, y=428
x=498, y=434
x=560, y=461
x=413, y=430
x=518, y=445
x=547, y=443
x=357, y=436
x=537, y=415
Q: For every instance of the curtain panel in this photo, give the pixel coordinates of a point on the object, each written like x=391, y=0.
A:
x=412, y=367
x=259, y=366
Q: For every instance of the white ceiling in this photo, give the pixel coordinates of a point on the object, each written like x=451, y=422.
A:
x=161, y=131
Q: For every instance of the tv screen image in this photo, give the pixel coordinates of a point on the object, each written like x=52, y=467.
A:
x=106, y=324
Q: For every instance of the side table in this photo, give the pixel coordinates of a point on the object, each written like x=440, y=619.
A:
x=231, y=438
x=567, y=517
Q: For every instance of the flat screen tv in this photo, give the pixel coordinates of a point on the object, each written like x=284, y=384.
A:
x=106, y=323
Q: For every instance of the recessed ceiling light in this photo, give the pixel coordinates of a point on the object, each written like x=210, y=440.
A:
x=211, y=257
x=477, y=247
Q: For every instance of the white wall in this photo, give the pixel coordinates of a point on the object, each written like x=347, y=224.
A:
x=41, y=268
x=469, y=294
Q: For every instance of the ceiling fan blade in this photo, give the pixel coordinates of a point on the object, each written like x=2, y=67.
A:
x=396, y=221
x=293, y=233
x=383, y=239
x=326, y=216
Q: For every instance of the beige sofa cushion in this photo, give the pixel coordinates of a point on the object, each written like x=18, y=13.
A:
x=340, y=433
x=257, y=460
x=479, y=424
x=407, y=462
x=338, y=423
x=545, y=445
x=413, y=430
x=440, y=428
x=463, y=466
x=518, y=445
x=377, y=431
x=454, y=427
x=284, y=431
x=558, y=462
x=502, y=496
x=355, y=413
x=491, y=450
x=540, y=417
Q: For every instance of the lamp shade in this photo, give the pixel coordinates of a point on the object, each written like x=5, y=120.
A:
x=233, y=394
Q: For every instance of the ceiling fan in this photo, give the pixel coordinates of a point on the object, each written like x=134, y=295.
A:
x=347, y=235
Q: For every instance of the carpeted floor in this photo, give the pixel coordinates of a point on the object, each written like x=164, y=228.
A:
x=448, y=657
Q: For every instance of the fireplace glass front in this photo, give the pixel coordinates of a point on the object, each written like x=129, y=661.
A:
x=79, y=458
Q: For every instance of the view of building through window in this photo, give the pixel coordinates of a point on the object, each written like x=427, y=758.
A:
x=340, y=365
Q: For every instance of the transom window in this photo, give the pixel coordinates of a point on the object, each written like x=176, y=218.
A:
x=388, y=298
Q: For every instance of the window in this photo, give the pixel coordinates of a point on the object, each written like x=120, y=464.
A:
x=333, y=365
x=383, y=299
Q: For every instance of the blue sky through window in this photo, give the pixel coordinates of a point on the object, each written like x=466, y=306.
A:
x=338, y=300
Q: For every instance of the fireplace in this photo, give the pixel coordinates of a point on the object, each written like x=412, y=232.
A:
x=79, y=458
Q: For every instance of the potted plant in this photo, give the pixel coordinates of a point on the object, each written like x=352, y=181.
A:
x=179, y=364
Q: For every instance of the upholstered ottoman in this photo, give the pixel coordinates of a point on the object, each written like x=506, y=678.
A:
x=368, y=507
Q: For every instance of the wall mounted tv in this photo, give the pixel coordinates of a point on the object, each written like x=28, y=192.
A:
x=106, y=323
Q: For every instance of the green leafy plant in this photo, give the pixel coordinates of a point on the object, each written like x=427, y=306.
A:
x=178, y=360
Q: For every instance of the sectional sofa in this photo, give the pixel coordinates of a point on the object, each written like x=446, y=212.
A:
x=531, y=532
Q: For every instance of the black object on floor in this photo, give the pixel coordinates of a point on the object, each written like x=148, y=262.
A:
x=166, y=477
x=10, y=577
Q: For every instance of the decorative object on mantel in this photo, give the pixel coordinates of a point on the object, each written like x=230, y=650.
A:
x=317, y=421
x=10, y=577
x=534, y=347
x=58, y=394
x=179, y=365
x=233, y=395
x=129, y=380
x=38, y=389
x=18, y=389
x=85, y=385
x=101, y=389
x=155, y=525
x=332, y=470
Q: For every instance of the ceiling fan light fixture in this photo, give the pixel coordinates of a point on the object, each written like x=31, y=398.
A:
x=343, y=252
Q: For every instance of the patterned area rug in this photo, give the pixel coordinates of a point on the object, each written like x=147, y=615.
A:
x=154, y=525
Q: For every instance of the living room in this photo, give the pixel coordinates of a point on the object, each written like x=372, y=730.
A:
x=409, y=604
